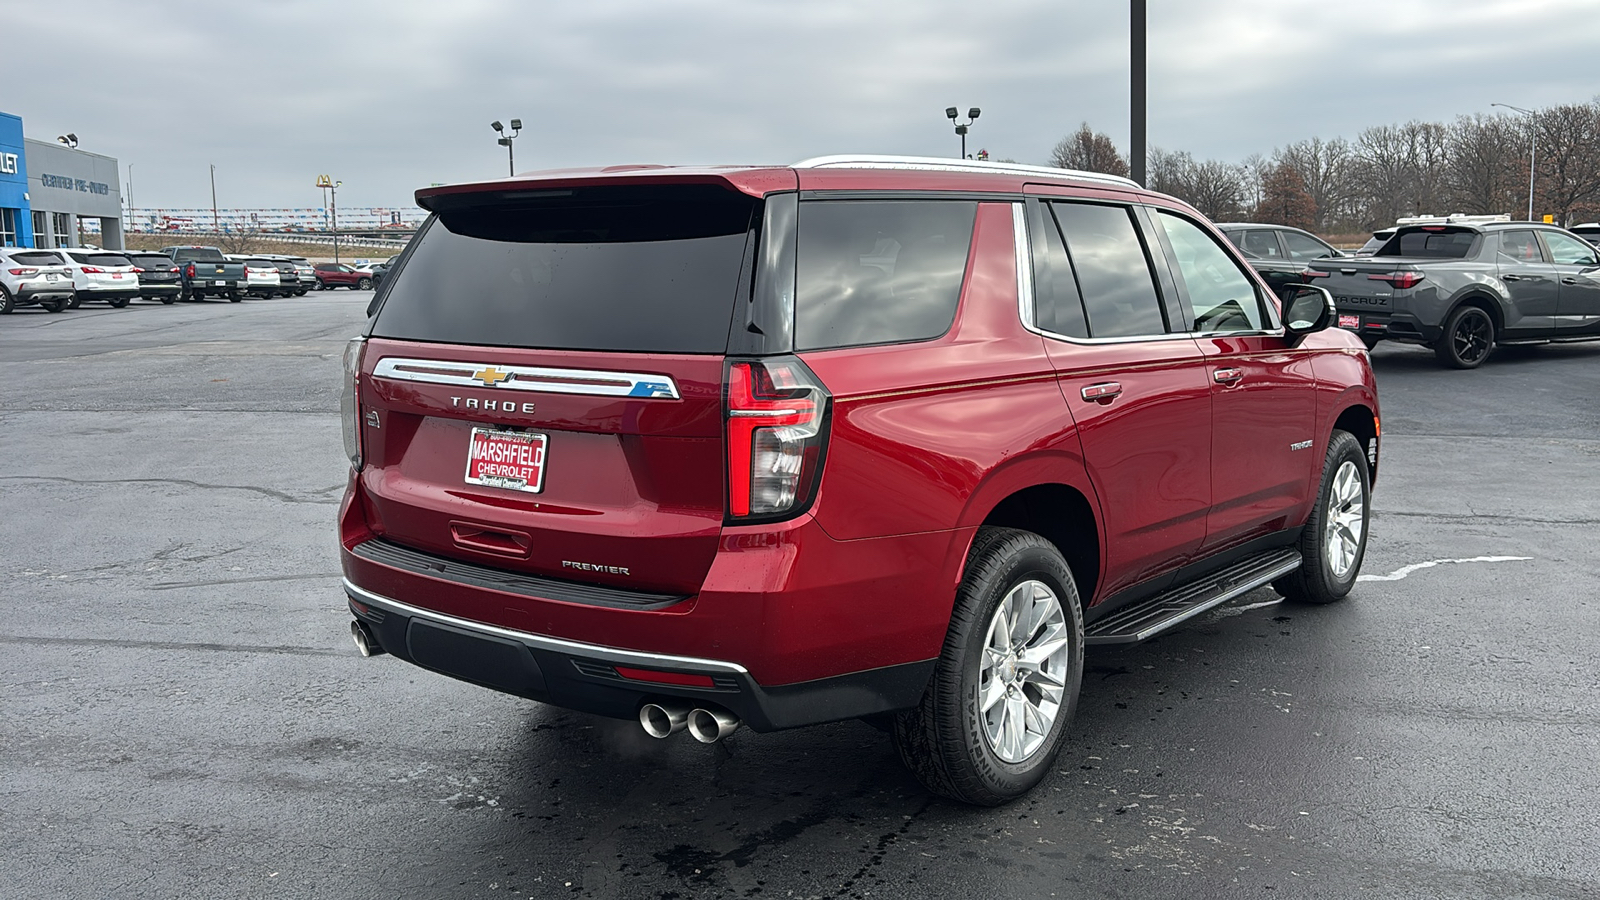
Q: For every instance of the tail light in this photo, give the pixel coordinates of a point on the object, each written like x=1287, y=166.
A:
x=94, y=270
x=1400, y=280
x=174, y=269
x=1313, y=273
x=190, y=271
x=137, y=269
x=24, y=271
x=350, y=401
x=777, y=414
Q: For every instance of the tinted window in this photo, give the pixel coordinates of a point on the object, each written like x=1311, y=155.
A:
x=875, y=272
x=1057, y=306
x=1261, y=243
x=37, y=259
x=1223, y=298
x=203, y=254
x=634, y=269
x=1567, y=251
x=150, y=260
x=1304, y=246
x=1119, y=293
x=1432, y=243
x=1520, y=246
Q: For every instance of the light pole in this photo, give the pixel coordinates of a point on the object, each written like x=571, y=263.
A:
x=214, y=226
x=952, y=114
x=333, y=207
x=1136, y=106
x=1533, y=149
x=506, y=139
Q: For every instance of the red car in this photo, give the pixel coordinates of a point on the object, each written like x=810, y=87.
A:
x=332, y=275
x=857, y=437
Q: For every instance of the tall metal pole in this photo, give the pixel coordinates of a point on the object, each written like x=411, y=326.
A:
x=214, y=226
x=1533, y=148
x=333, y=191
x=1136, y=150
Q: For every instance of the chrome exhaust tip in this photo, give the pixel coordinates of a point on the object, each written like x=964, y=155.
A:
x=366, y=642
x=662, y=720
x=711, y=725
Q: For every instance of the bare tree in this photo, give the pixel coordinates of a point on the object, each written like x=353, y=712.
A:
x=1487, y=167
x=1089, y=151
x=1569, y=159
x=1328, y=175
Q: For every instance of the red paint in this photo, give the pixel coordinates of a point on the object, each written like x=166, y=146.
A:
x=926, y=439
x=687, y=679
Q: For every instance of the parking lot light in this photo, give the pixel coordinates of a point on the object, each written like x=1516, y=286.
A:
x=506, y=139
x=1533, y=146
x=951, y=113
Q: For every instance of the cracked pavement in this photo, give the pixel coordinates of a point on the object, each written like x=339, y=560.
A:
x=185, y=717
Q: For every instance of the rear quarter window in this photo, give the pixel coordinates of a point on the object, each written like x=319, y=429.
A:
x=879, y=272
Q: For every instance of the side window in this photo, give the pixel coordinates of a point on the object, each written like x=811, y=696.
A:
x=1261, y=243
x=1113, y=273
x=1057, y=307
x=1520, y=246
x=878, y=272
x=1302, y=247
x=1568, y=252
x=1222, y=296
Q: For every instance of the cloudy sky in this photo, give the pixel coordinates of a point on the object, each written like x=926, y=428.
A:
x=390, y=95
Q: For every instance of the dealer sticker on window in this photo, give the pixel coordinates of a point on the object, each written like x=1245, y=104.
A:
x=513, y=460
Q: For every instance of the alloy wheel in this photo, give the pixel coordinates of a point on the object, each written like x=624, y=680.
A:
x=1023, y=672
x=1471, y=337
x=1345, y=520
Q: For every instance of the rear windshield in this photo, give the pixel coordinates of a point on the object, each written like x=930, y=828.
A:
x=148, y=260
x=1434, y=243
x=37, y=259
x=643, y=269
x=204, y=254
x=108, y=259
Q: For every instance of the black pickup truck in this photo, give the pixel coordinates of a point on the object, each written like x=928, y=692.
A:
x=207, y=272
x=1461, y=289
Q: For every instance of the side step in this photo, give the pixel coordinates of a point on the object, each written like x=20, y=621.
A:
x=1182, y=603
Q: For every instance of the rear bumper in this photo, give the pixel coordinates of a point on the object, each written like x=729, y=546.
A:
x=589, y=677
x=38, y=292
x=1391, y=325
x=165, y=289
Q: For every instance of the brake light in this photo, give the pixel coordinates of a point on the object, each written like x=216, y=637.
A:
x=137, y=269
x=24, y=271
x=93, y=270
x=1400, y=280
x=350, y=401
x=175, y=268
x=1313, y=273
x=190, y=272
x=777, y=414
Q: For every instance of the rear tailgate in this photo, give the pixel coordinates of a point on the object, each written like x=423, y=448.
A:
x=1367, y=288
x=542, y=390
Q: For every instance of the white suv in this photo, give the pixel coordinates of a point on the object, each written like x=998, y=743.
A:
x=29, y=277
x=97, y=274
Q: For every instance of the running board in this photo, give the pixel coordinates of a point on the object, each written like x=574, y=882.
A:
x=1182, y=603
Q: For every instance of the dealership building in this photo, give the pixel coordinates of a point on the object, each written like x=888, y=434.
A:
x=48, y=190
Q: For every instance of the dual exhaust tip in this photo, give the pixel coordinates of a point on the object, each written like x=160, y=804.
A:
x=662, y=720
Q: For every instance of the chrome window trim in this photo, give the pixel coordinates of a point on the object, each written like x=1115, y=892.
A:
x=544, y=642
x=935, y=163
x=1024, y=253
x=587, y=382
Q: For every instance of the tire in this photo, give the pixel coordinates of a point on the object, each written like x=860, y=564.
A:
x=301, y=292
x=1334, y=541
x=1468, y=338
x=118, y=302
x=946, y=740
x=73, y=303
x=169, y=299
x=320, y=285
x=54, y=306
x=197, y=295
x=235, y=297
x=6, y=303
x=364, y=284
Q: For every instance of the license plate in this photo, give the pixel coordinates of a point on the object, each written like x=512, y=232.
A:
x=220, y=283
x=115, y=277
x=1349, y=321
x=51, y=277
x=513, y=460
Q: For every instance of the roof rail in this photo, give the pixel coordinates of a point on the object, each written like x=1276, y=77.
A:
x=935, y=163
x=1452, y=219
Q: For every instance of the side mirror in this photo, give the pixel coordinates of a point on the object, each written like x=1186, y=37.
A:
x=1306, y=309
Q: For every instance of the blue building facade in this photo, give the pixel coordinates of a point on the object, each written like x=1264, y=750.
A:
x=16, y=219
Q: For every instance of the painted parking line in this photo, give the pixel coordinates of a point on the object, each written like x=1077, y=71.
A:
x=1403, y=571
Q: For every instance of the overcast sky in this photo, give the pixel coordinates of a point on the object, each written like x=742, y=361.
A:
x=390, y=95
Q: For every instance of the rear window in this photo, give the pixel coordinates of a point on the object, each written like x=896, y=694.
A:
x=877, y=272
x=652, y=270
x=203, y=254
x=37, y=259
x=149, y=260
x=1433, y=243
x=107, y=259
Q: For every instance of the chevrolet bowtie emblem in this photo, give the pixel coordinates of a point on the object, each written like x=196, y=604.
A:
x=491, y=376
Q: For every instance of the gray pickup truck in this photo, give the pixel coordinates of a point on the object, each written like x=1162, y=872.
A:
x=207, y=272
x=1461, y=289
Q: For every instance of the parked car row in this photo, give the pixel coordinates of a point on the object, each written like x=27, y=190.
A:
x=63, y=278
x=1459, y=285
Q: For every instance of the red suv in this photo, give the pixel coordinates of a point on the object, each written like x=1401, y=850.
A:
x=857, y=437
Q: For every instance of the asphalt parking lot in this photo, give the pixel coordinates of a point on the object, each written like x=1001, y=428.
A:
x=185, y=716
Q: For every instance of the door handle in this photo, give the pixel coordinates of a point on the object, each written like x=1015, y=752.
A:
x=1510, y=277
x=1104, y=392
x=1227, y=376
x=1569, y=281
